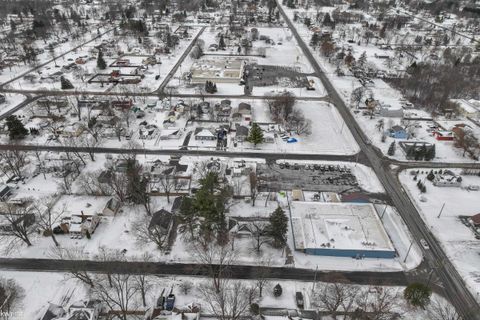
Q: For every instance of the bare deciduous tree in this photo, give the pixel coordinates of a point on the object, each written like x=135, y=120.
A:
x=47, y=217
x=297, y=122
x=216, y=260
x=10, y=296
x=281, y=106
x=259, y=228
x=253, y=187
x=21, y=224
x=118, y=292
x=142, y=282
x=13, y=161
x=231, y=301
x=168, y=183
x=336, y=297
x=379, y=302
x=442, y=310
x=261, y=275
x=147, y=234
x=78, y=270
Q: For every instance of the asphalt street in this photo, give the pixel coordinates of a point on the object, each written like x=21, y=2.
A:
x=180, y=269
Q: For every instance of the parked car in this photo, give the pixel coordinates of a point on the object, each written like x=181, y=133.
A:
x=299, y=299
x=170, y=302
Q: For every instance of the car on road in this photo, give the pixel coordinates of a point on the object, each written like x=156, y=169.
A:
x=424, y=244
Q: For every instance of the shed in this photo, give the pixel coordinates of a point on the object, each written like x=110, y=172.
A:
x=297, y=195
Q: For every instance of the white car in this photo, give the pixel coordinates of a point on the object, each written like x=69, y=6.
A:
x=424, y=244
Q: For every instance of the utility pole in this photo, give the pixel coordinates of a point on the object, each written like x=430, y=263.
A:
x=314, y=279
x=383, y=213
x=408, y=252
x=441, y=210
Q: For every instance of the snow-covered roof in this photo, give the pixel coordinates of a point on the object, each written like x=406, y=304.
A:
x=343, y=226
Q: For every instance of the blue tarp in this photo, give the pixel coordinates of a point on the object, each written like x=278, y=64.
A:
x=292, y=140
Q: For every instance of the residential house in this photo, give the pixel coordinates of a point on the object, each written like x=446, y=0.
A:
x=268, y=137
x=73, y=130
x=444, y=135
x=241, y=133
x=397, y=132
x=447, y=179
x=237, y=117
x=469, y=108
x=244, y=108
x=388, y=111
x=161, y=223
x=111, y=207
x=171, y=133
x=80, y=224
x=5, y=192
x=85, y=310
x=51, y=311
x=121, y=165
x=246, y=226
x=204, y=134
x=6, y=225
x=475, y=220
x=148, y=131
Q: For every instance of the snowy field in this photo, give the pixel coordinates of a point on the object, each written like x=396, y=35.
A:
x=329, y=134
x=457, y=240
x=11, y=101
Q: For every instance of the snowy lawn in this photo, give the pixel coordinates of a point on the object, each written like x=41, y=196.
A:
x=457, y=240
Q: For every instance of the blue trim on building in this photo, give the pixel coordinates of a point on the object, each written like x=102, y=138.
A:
x=383, y=254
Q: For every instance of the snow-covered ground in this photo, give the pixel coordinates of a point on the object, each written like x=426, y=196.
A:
x=165, y=63
x=445, y=150
x=329, y=134
x=42, y=288
x=458, y=240
x=11, y=101
x=285, y=53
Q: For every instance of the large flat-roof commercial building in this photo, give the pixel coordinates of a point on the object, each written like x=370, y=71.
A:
x=218, y=70
x=339, y=229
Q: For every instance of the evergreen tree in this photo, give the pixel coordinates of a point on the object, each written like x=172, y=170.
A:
x=417, y=294
x=391, y=149
x=277, y=290
x=101, y=64
x=256, y=135
x=315, y=39
x=430, y=176
x=327, y=20
x=16, y=129
x=278, y=227
x=221, y=43
x=363, y=59
x=423, y=152
x=210, y=87
x=65, y=83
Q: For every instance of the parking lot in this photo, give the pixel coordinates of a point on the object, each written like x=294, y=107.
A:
x=265, y=75
x=288, y=176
